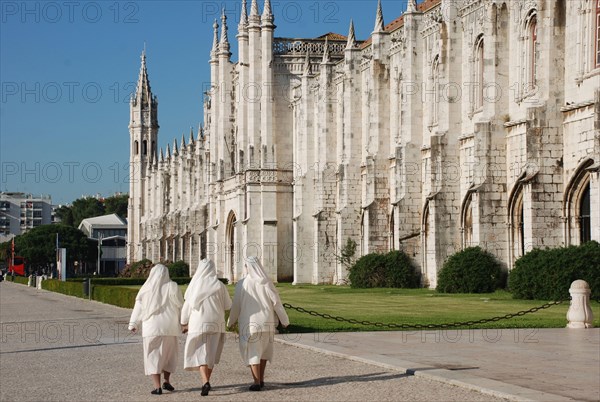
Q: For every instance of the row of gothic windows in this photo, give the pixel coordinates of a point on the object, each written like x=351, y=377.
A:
x=136, y=147
x=581, y=222
x=529, y=60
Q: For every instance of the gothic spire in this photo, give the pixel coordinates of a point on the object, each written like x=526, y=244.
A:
x=175, y=148
x=412, y=6
x=215, y=47
x=267, y=13
x=379, y=26
x=326, y=52
x=351, y=37
x=183, y=142
x=224, y=45
x=254, y=9
x=243, y=17
x=154, y=159
x=191, y=135
x=143, y=92
x=168, y=152
x=162, y=155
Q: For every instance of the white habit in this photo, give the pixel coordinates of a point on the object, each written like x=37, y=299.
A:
x=206, y=300
x=157, y=310
x=257, y=308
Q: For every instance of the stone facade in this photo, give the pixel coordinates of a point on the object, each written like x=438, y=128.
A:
x=462, y=122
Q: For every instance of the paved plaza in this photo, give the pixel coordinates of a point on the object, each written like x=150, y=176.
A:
x=61, y=348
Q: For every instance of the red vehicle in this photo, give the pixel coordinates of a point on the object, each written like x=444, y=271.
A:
x=17, y=265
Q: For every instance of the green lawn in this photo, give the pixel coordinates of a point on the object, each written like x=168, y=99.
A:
x=414, y=306
x=411, y=306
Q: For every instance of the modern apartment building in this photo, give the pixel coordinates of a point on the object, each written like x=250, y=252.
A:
x=20, y=212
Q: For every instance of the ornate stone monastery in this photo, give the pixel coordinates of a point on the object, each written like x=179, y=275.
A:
x=460, y=123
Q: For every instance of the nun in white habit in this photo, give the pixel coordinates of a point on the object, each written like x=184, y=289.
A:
x=157, y=310
x=257, y=308
x=203, y=318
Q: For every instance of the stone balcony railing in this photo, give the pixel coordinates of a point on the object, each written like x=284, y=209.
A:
x=296, y=47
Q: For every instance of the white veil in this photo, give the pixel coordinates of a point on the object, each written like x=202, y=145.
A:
x=204, y=284
x=153, y=294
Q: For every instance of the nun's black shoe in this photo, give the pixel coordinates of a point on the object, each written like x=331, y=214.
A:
x=205, y=388
x=156, y=391
x=262, y=384
x=168, y=386
x=255, y=387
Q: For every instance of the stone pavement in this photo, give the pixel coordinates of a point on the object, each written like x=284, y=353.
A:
x=60, y=348
x=519, y=364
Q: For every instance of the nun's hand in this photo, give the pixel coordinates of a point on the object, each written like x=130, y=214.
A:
x=184, y=329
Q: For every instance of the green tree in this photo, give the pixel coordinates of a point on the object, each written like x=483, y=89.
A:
x=117, y=204
x=84, y=208
x=38, y=245
x=65, y=213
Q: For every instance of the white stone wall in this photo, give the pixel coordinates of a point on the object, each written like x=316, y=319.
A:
x=384, y=143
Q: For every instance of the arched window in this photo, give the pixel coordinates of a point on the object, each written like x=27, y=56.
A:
x=531, y=52
x=585, y=222
x=392, y=245
x=516, y=224
x=231, y=245
x=478, y=72
x=145, y=148
x=435, y=72
x=136, y=148
x=577, y=206
x=467, y=223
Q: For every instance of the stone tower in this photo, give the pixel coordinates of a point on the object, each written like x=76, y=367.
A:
x=143, y=133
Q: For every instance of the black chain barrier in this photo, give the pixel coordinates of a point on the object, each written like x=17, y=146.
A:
x=421, y=326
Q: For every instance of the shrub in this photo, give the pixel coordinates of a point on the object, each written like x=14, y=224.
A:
x=401, y=271
x=392, y=270
x=471, y=270
x=139, y=269
x=178, y=269
x=548, y=274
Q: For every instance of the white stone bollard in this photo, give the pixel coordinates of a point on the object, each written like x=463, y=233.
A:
x=580, y=312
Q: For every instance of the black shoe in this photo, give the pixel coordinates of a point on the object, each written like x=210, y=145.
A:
x=255, y=387
x=262, y=384
x=205, y=388
x=156, y=391
x=168, y=386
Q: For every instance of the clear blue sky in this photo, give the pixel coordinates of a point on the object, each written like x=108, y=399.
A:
x=67, y=69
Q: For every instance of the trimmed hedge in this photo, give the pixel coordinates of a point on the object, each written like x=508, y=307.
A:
x=66, y=288
x=105, y=290
x=117, y=296
x=126, y=281
x=23, y=280
x=392, y=270
x=548, y=274
x=472, y=270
